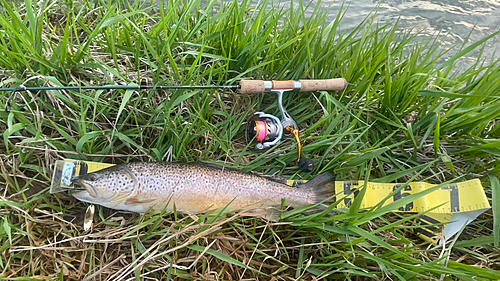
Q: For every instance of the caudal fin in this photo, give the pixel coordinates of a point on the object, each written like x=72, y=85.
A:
x=322, y=186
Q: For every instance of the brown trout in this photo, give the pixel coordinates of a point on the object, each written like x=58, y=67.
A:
x=193, y=188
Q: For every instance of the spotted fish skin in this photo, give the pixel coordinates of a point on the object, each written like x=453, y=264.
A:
x=192, y=187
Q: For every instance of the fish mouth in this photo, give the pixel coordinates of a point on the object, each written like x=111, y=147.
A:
x=81, y=185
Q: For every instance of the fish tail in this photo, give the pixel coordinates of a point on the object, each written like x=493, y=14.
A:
x=322, y=187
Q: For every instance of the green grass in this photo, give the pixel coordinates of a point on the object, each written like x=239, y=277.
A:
x=407, y=114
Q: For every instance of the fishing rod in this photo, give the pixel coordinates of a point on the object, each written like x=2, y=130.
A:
x=245, y=87
x=266, y=129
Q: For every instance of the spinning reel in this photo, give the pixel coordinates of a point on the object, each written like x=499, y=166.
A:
x=267, y=130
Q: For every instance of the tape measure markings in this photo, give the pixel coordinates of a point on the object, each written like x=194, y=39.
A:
x=453, y=198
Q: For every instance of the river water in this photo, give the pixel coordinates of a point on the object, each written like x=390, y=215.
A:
x=453, y=20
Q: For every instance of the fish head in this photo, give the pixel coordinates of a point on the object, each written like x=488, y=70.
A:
x=107, y=187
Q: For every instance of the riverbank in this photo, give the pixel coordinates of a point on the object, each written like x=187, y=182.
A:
x=404, y=116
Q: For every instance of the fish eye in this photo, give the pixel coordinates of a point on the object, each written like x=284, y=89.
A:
x=92, y=177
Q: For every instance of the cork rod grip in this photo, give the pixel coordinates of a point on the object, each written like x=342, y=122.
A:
x=258, y=86
x=337, y=84
x=252, y=86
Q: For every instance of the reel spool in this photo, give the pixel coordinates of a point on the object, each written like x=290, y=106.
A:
x=266, y=130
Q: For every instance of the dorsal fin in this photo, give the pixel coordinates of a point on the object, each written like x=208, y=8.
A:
x=214, y=165
x=275, y=178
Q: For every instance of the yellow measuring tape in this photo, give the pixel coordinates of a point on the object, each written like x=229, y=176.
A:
x=452, y=198
x=454, y=204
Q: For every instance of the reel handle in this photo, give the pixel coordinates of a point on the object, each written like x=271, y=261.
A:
x=305, y=85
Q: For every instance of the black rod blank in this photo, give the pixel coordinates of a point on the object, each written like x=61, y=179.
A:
x=109, y=87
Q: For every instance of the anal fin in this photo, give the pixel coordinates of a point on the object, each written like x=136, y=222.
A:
x=273, y=214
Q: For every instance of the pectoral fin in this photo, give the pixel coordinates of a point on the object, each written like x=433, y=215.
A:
x=135, y=199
